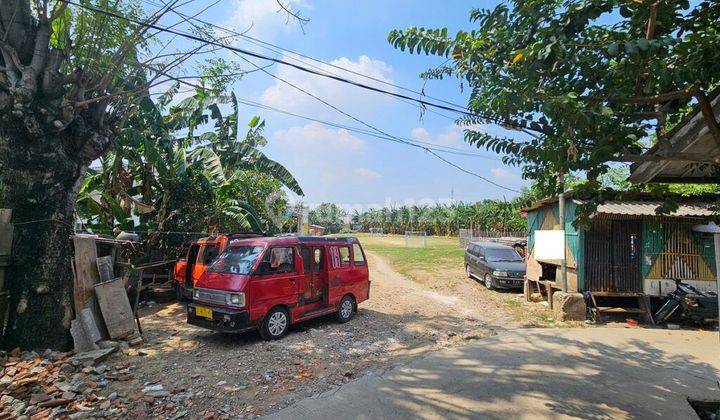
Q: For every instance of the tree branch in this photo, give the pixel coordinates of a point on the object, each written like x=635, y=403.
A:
x=293, y=14
x=708, y=114
x=643, y=100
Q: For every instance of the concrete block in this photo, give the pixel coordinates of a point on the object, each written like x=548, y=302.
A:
x=569, y=306
x=93, y=357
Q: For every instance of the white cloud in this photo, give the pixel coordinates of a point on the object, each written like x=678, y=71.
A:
x=420, y=133
x=366, y=174
x=356, y=101
x=452, y=135
x=502, y=173
x=325, y=160
x=264, y=18
x=315, y=137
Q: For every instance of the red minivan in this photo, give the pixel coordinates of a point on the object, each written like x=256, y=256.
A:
x=271, y=283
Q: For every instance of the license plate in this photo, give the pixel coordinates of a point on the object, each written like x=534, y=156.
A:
x=203, y=312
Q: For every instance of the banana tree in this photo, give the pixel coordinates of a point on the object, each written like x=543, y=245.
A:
x=173, y=178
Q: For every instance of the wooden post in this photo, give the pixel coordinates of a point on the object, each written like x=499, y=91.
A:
x=716, y=238
x=561, y=210
x=86, y=277
x=6, y=240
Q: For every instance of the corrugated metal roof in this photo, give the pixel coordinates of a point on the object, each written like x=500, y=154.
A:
x=647, y=208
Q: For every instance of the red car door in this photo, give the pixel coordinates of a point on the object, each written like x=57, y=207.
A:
x=276, y=281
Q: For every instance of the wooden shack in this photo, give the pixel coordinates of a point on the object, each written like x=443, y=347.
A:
x=628, y=248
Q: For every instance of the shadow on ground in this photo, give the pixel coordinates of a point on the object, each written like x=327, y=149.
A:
x=598, y=373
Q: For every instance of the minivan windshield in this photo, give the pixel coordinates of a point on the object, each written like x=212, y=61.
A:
x=502, y=254
x=236, y=259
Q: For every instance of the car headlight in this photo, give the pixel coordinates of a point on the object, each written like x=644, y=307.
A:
x=236, y=299
x=196, y=294
x=498, y=273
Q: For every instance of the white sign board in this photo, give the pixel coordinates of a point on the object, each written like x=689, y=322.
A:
x=549, y=244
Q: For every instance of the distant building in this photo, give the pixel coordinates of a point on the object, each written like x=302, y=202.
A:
x=316, y=230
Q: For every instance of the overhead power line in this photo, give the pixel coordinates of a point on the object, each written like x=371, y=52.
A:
x=374, y=128
x=274, y=47
x=240, y=52
x=433, y=146
x=279, y=50
x=465, y=112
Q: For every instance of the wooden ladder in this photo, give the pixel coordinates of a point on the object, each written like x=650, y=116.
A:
x=642, y=308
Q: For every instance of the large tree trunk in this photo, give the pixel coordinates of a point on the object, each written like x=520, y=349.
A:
x=39, y=181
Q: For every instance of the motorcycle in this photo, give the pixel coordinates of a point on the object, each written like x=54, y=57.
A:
x=690, y=303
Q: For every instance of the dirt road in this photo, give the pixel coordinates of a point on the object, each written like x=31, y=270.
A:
x=242, y=375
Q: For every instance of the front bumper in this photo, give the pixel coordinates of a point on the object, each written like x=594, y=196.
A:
x=224, y=320
x=508, y=283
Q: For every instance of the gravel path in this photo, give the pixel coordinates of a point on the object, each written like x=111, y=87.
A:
x=212, y=374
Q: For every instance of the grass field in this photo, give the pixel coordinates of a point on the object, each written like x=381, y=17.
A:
x=440, y=254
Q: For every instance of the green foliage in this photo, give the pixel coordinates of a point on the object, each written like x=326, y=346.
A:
x=327, y=215
x=561, y=74
x=169, y=173
x=495, y=215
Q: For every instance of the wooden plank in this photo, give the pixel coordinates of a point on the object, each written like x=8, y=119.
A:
x=549, y=291
x=86, y=277
x=620, y=310
x=86, y=272
x=645, y=304
x=6, y=240
x=116, y=310
x=618, y=294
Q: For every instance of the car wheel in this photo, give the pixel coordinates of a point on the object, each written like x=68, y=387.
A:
x=275, y=324
x=467, y=270
x=489, y=282
x=346, y=309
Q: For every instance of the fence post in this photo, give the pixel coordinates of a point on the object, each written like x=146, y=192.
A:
x=6, y=240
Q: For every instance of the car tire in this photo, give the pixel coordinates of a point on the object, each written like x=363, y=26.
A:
x=346, y=309
x=275, y=324
x=489, y=282
x=467, y=271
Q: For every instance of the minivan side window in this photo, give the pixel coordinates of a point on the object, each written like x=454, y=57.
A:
x=340, y=256
x=344, y=256
x=358, y=257
x=278, y=260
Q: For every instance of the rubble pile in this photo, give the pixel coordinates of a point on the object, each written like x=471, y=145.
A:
x=63, y=385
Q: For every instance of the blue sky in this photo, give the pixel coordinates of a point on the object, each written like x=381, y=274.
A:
x=345, y=167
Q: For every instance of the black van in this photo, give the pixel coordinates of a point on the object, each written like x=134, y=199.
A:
x=498, y=266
